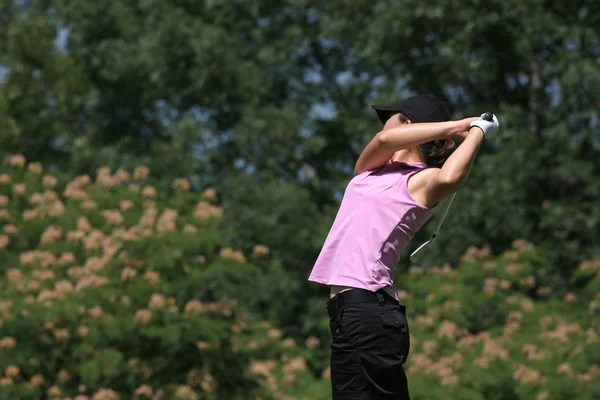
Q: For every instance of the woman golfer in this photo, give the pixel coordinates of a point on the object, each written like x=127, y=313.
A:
x=406, y=169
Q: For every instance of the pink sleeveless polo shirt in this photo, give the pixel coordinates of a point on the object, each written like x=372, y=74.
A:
x=377, y=219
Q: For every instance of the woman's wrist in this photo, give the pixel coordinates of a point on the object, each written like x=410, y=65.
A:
x=476, y=131
x=460, y=128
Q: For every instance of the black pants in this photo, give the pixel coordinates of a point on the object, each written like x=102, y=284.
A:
x=370, y=343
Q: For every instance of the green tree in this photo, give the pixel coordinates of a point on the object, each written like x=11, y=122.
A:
x=248, y=95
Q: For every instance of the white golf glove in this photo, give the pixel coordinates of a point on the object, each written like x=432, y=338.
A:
x=488, y=123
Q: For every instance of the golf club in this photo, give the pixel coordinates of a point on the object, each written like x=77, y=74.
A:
x=412, y=258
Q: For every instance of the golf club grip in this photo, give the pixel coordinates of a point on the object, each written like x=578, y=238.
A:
x=488, y=116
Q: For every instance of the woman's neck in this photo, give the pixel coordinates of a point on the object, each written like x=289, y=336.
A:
x=406, y=155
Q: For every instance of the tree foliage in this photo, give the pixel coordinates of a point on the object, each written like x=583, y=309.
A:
x=281, y=91
x=268, y=102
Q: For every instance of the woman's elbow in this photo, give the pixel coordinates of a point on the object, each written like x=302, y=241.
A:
x=359, y=169
x=383, y=139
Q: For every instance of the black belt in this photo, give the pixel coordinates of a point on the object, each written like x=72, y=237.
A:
x=358, y=295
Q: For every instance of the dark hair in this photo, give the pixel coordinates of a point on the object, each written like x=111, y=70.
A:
x=433, y=152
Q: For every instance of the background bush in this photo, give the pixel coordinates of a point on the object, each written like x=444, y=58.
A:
x=112, y=289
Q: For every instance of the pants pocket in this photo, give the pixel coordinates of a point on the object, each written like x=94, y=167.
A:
x=346, y=325
x=346, y=376
x=395, y=326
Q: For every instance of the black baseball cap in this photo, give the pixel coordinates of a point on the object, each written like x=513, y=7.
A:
x=420, y=108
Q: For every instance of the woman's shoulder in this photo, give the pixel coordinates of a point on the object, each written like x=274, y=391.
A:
x=418, y=180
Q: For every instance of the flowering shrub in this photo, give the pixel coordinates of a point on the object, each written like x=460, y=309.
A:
x=489, y=330
x=111, y=290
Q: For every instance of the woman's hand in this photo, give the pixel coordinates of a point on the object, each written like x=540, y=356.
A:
x=462, y=128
